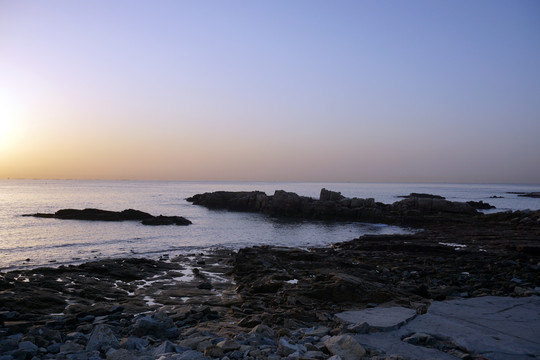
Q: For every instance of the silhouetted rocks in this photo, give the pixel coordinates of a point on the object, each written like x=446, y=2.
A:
x=334, y=206
x=252, y=201
x=422, y=195
x=535, y=194
x=480, y=205
x=433, y=206
x=166, y=220
x=106, y=215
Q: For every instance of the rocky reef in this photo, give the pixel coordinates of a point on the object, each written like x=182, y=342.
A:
x=332, y=205
x=106, y=215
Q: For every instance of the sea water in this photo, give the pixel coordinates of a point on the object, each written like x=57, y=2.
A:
x=27, y=242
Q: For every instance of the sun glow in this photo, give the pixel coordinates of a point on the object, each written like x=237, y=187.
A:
x=11, y=122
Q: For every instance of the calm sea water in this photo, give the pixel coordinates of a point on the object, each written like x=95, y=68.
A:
x=30, y=242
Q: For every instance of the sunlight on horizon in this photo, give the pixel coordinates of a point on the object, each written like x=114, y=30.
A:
x=12, y=118
x=280, y=91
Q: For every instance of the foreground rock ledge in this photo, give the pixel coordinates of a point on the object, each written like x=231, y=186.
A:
x=106, y=215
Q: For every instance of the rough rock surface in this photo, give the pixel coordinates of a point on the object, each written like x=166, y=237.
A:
x=378, y=318
x=490, y=327
x=276, y=302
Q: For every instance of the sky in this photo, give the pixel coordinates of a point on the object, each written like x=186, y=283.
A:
x=348, y=91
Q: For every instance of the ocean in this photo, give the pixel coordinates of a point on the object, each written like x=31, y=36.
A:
x=28, y=242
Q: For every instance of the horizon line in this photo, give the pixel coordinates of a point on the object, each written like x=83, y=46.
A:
x=274, y=181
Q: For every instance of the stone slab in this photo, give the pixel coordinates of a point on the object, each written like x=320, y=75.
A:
x=381, y=319
x=496, y=328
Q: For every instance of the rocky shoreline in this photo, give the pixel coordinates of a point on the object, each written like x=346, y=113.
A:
x=272, y=302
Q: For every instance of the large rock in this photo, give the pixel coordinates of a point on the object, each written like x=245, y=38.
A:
x=433, y=205
x=345, y=346
x=228, y=345
x=102, y=338
x=232, y=200
x=191, y=355
x=263, y=330
x=286, y=347
x=286, y=204
x=158, y=325
x=490, y=327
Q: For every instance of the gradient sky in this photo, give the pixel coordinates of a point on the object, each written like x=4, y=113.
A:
x=375, y=91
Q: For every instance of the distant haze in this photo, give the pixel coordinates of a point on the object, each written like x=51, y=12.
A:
x=374, y=91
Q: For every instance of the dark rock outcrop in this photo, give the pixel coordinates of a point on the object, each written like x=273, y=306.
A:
x=480, y=205
x=232, y=200
x=422, y=195
x=166, y=220
x=434, y=205
x=334, y=206
x=535, y=194
x=106, y=215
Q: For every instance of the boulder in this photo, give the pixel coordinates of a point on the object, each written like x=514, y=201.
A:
x=28, y=348
x=158, y=325
x=228, y=345
x=120, y=354
x=213, y=351
x=285, y=347
x=192, y=355
x=164, y=347
x=263, y=330
x=102, y=338
x=345, y=346
x=319, y=331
